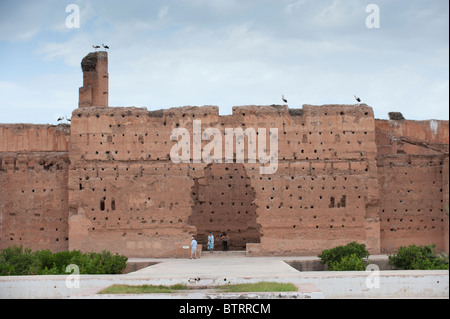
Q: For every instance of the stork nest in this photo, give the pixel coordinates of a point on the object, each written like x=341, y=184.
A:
x=396, y=116
x=89, y=62
x=296, y=112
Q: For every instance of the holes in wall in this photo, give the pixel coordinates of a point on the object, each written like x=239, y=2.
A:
x=342, y=202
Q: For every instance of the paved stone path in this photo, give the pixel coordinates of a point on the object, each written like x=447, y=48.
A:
x=217, y=269
x=215, y=266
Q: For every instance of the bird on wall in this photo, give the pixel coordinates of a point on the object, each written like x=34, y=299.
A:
x=96, y=47
x=357, y=99
x=284, y=100
x=105, y=46
x=60, y=118
x=68, y=119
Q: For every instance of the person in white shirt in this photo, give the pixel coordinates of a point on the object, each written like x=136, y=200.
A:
x=211, y=242
x=193, y=248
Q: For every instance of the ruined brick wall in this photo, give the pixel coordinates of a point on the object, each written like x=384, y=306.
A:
x=325, y=192
x=412, y=137
x=33, y=186
x=127, y=195
x=124, y=193
x=34, y=138
x=413, y=176
x=94, y=91
x=445, y=198
x=341, y=176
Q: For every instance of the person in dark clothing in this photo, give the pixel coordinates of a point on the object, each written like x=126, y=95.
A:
x=224, y=239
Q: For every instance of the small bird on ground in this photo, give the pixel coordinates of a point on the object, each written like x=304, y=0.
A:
x=284, y=100
x=96, y=47
x=105, y=46
x=357, y=99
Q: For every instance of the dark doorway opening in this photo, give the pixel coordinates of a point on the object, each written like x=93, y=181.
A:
x=224, y=202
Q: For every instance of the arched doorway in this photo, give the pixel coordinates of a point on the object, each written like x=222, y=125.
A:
x=224, y=202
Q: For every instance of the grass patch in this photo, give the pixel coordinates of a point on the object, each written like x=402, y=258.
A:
x=143, y=289
x=151, y=289
x=263, y=286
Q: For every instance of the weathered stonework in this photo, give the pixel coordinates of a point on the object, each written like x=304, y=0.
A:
x=109, y=182
x=413, y=176
x=34, y=167
x=94, y=91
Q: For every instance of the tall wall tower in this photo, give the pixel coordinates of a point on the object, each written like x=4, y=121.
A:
x=94, y=91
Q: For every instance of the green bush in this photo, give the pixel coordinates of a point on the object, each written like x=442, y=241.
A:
x=16, y=261
x=418, y=257
x=345, y=258
x=99, y=263
x=348, y=263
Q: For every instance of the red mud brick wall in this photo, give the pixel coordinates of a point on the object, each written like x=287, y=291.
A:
x=126, y=195
x=33, y=186
x=413, y=176
x=108, y=182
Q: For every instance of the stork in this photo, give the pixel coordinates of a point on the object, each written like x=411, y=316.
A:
x=60, y=118
x=96, y=47
x=357, y=99
x=284, y=100
x=105, y=46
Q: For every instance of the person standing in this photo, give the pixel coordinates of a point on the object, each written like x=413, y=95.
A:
x=224, y=239
x=193, y=248
x=210, y=242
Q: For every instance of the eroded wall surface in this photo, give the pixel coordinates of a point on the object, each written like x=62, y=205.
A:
x=126, y=193
x=110, y=181
x=413, y=177
x=325, y=192
x=34, y=165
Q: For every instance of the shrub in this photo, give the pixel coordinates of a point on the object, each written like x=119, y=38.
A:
x=15, y=261
x=348, y=257
x=418, y=257
x=348, y=263
x=100, y=263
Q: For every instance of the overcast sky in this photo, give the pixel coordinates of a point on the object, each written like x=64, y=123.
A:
x=170, y=53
